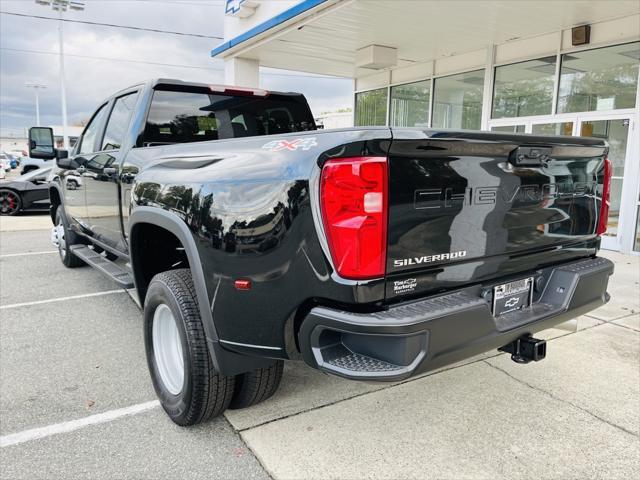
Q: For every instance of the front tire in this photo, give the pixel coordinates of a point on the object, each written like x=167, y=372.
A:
x=189, y=388
x=64, y=237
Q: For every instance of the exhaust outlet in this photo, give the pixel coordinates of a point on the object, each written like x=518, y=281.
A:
x=526, y=349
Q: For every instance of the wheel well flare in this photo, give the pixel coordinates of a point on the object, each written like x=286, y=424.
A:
x=154, y=250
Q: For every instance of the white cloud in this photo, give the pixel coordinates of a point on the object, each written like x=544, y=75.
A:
x=135, y=56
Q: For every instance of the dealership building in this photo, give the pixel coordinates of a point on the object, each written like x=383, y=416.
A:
x=546, y=67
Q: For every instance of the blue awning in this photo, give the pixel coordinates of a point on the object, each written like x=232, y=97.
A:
x=267, y=25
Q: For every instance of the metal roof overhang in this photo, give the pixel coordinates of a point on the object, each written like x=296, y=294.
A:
x=322, y=36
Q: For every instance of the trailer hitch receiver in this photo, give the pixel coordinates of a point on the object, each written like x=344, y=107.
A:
x=526, y=349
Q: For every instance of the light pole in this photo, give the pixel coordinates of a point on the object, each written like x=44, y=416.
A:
x=61, y=6
x=37, y=87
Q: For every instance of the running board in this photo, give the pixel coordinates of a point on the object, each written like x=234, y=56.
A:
x=107, y=267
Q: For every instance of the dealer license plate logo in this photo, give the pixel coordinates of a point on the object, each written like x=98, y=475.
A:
x=512, y=296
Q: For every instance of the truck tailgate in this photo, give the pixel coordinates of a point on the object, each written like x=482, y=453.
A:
x=467, y=207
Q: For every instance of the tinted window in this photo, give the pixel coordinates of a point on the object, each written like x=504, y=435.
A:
x=181, y=117
x=119, y=121
x=524, y=88
x=410, y=104
x=457, y=101
x=601, y=79
x=90, y=133
x=371, y=108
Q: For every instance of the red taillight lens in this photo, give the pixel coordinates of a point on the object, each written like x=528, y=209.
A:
x=603, y=218
x=353, y=198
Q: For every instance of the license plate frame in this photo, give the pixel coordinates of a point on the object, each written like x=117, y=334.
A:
x=512, y=296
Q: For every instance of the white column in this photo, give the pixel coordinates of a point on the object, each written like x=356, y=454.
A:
x=242, y=72
x=487, y=96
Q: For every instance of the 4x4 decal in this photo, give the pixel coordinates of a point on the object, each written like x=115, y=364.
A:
x=295, y=144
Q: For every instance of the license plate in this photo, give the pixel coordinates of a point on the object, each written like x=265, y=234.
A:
x=512, y=296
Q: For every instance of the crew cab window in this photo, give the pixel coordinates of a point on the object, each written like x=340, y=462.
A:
x=195, y=116
x=180, y=117
x=88, y=142
x=118, y=123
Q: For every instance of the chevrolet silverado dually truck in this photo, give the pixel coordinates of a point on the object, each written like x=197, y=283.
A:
x=374, y=254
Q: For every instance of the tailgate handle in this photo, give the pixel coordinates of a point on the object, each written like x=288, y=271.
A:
x=530, y=156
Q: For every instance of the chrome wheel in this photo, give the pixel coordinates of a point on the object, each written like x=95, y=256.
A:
x=167, y=349
x=57, y=238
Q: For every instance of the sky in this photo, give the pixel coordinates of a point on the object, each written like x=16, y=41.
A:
x=101, y=60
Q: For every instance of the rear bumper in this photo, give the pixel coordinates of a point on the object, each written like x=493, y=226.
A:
x=419, y=336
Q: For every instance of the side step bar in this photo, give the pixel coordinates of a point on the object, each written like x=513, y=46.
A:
x=107, y=267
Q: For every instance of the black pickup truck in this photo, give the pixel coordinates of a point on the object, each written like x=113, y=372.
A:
x=370, y=253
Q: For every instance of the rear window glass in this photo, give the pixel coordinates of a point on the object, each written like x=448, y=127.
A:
x=182, y=117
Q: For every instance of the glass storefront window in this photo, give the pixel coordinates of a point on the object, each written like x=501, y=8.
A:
x=410, y=104
x=524, y=89
x=371, y=108
x=509, y=129
x=457, y=101
x=600, y=79
x=556, y=128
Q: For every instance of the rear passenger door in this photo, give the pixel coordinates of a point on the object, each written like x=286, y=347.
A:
x=103, y=174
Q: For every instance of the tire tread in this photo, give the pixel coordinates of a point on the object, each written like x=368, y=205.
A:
x=256, y=386
x=69, y=260
x=211, y=392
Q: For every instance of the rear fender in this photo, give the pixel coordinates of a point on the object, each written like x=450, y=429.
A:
x=225, y=361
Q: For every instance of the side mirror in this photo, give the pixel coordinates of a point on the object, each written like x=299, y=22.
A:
x=66, y=162
x=41, y=143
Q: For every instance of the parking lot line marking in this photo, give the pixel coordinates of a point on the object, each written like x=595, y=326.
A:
x=65, y=427
x=7, y=255
x=60, y=299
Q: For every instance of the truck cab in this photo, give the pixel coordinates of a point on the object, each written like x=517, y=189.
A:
x=146, y=118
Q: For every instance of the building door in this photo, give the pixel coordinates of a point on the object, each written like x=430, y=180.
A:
x=619, y=132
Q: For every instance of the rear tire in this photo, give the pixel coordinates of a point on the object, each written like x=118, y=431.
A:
x=184, y=378
x=65, y=239
x=256, y=386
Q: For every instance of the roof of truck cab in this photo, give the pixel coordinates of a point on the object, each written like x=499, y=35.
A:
x=181, y=83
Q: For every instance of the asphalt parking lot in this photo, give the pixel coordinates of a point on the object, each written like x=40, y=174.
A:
x=76, y=400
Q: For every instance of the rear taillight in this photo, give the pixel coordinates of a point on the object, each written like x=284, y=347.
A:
x=353, y=198
x=603, y=218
